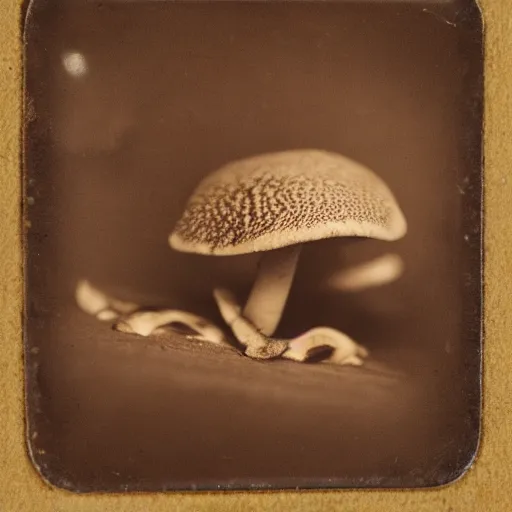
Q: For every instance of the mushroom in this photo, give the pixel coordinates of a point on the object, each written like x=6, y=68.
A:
x=272, y=204
x=377, y=272
x=98, y=304
x=132, y=319
x=345, y=351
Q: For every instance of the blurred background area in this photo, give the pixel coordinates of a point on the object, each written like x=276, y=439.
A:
x=130, y=105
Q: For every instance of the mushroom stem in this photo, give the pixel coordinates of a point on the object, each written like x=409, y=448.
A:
x=258, y=346
x=269, y=293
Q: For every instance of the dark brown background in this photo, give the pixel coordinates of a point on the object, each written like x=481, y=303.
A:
x=175, y=90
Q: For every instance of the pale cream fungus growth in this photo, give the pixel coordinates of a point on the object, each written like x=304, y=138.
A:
x=131, y=318
x=278, y=201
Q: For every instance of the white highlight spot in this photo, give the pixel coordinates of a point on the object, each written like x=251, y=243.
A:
x=75, y=64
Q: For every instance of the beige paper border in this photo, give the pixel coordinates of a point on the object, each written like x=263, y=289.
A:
x=484, y=488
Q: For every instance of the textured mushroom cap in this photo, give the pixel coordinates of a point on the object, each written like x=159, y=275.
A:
x=279, y=199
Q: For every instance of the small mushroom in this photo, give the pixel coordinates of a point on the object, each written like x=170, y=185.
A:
x=377, y=272
x=275, y=202
x=98, y=304
x=145, y=323
x=345, y=351
x=131, y=318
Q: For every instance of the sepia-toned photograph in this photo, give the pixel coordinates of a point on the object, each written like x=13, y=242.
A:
x=252, y=243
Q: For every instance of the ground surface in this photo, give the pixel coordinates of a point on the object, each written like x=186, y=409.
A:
x=116, y=410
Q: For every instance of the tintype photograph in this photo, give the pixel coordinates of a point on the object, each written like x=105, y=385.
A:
x=252, y=243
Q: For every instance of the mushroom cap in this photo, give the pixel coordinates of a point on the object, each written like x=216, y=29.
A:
x=278, y=199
